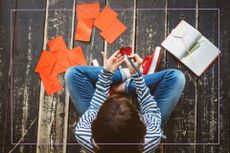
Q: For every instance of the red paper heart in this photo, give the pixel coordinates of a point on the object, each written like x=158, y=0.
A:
x=125, y=51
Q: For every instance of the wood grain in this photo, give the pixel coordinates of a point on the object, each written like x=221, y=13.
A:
x=52, y=125
x=181, y=127
x=193, y=121
x=25, y=83
x=5, y=39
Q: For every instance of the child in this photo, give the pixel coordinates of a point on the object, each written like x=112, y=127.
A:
x=112, y=124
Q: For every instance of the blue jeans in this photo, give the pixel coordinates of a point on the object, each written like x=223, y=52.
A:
x=166, y=86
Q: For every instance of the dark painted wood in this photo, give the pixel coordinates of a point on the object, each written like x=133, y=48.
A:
x=207, y=116
x=181, y=125
x=54, y=109
x=150, y=27
x=25, y=84
x=225, y=75
x=5, y=7
x=195, y=117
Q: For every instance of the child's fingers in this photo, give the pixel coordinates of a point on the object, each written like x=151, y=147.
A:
x=119, y=55
x=119, y=62
x=138, y=58
x=104, y=55
x=115, y=53
x=120, y=58
x=127, y=62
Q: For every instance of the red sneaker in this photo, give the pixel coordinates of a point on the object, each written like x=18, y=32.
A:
x=151, y=62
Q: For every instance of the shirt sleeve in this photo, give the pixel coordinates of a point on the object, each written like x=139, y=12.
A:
x=83, y=132
x=151, y=114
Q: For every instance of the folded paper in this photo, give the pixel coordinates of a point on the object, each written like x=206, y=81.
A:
x=76, y=57
x=46, y=63
x=51, y=83
x=86, y=11
x=113, y=31
x=106, y=18
x=62, y=63
x=84, y=29
x=57, y=44
x=56, y=61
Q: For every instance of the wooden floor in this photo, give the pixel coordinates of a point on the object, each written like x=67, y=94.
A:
x=200, y=122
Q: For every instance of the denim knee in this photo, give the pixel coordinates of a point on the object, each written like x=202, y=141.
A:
x=70, y=73
x=178, y=77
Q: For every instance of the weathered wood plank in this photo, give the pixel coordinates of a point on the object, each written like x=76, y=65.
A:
x=181, y=125
x=53, y=110
x=5, y=132
x=208, y=91
x=225, y=76
x=25, y=83
x=207, y=128
x=150, y=28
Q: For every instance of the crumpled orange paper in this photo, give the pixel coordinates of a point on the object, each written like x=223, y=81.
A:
x=86, y=11
x=106, y=18
x=113, y=31
x=84, y=29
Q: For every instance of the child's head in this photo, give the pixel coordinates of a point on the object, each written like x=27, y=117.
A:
x=118, y=122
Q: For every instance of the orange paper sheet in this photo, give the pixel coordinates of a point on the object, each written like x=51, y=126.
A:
x=86, y=11
x=57, y=44
x=51, y=83
x=113, y=31
x=56, y=61
x=58, y=47
x=76, y=57
x=46, y=63
x=62, y=63
x=84, y=29
x=105, y=19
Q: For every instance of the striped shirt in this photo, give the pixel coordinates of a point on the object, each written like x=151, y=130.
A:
x=148, y=107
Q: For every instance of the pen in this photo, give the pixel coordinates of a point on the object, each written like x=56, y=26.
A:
x=131, y=62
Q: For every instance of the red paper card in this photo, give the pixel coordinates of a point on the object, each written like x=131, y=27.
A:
x=86, y=11
x=46, y=63
x=76, y=57
x=57, y=44
x=125, y=50
x=113, y=31
x=51, y=83
x=84, y=29
x=105, y=19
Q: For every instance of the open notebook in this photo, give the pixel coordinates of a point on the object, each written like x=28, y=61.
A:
x=191, y=48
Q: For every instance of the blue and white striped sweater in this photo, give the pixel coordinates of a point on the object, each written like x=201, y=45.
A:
x=149, y=110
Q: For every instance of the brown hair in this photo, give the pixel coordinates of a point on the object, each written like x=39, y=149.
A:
x=118, y=122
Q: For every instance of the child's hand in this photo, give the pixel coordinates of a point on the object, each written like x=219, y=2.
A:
x=138, y=62
x=113, y=62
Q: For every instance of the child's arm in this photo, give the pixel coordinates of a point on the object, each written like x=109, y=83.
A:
x=146, y=100
x=148, y=106
x=83, y=131
x=102, y=89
